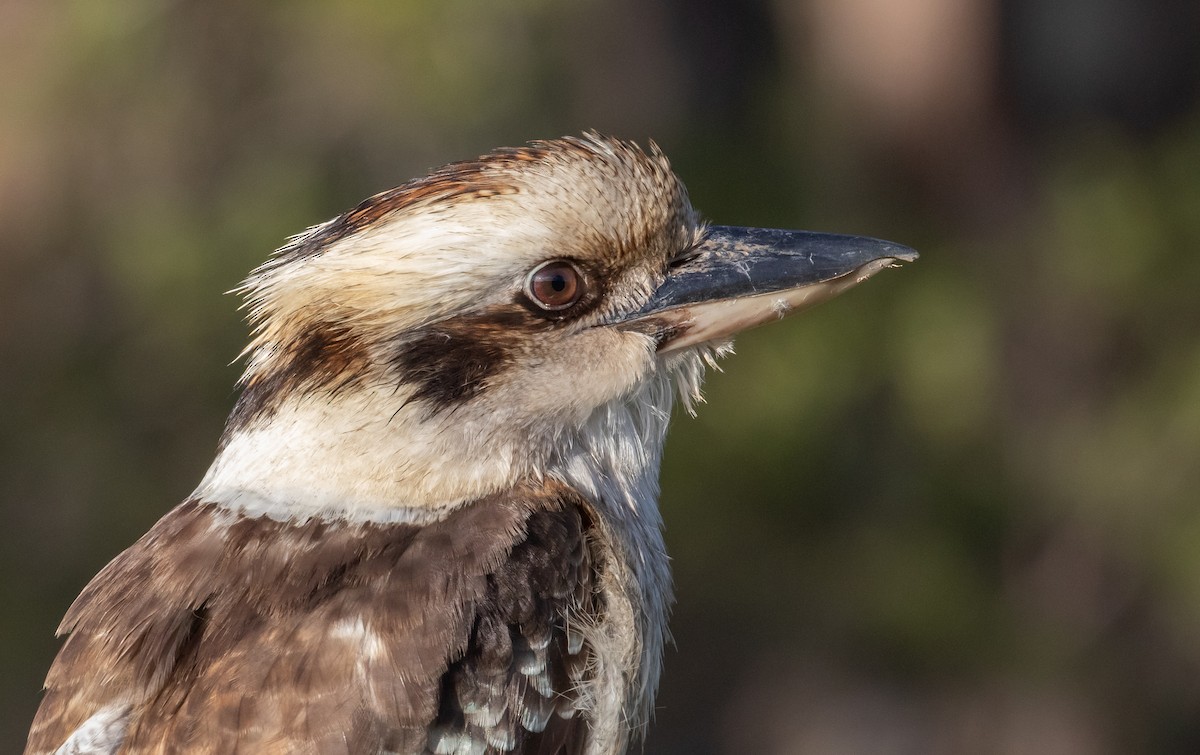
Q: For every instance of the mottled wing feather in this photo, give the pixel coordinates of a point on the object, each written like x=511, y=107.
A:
x=337, y=638
x=515, y=689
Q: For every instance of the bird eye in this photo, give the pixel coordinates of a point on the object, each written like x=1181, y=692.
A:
x=554, y=285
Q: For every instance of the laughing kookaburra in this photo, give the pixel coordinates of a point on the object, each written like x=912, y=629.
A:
x=431, y=525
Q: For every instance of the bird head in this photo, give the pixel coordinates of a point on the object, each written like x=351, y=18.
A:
x=524, y=314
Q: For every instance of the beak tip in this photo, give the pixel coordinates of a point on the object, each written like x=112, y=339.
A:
x=900, y=253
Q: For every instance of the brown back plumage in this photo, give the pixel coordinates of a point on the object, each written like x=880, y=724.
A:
x=233, y=634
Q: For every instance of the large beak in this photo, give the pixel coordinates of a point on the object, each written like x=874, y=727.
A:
x=736, y=278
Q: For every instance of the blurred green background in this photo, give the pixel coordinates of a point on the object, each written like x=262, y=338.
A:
x=954, y=511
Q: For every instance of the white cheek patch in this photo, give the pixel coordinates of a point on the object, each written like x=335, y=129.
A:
x=714, y=320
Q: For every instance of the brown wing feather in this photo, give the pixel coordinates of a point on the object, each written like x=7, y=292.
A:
x=233, y=634
x=515, y=687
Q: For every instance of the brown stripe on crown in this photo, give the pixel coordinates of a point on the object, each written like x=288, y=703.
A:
x=325, y=357
x=459, y=180
x=478, y=178
x=466, y=179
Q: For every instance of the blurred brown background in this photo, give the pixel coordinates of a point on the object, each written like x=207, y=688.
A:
x=955, y=511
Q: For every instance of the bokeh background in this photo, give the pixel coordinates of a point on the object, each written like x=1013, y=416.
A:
x=954, y=511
